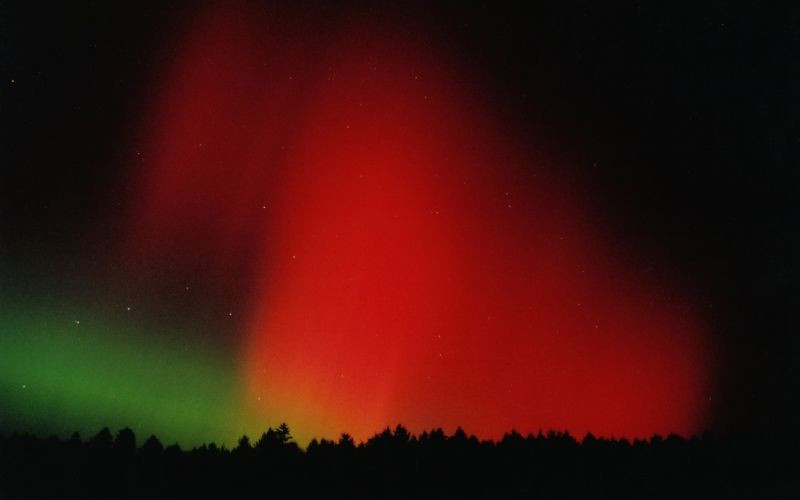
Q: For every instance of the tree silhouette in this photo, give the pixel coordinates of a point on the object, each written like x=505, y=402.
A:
x=244, y=445
x=125, y=442
x=397, y=464
x=346, y=441
x=152, y=447
x=283, y=433
x=103, y=440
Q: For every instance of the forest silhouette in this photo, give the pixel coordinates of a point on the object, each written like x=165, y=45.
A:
x=396, y=464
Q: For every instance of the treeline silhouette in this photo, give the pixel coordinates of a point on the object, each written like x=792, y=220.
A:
x=395, y=464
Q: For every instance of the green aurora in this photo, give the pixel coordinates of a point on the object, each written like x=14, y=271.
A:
x=60, y=374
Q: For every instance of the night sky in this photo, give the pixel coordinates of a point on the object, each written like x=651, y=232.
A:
x=220, y=216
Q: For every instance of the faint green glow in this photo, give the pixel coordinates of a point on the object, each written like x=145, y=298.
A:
x=62, y=371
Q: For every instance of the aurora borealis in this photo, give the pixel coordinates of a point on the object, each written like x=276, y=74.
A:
x=63, y=374
x=332, y=221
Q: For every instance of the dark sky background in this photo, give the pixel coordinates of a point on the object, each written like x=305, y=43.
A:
x=682, y=121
